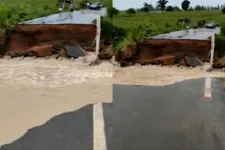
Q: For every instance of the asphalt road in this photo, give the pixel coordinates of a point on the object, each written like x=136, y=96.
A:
x=174, y=117
x=68, y=131
x=78, y=17
x=200, y=34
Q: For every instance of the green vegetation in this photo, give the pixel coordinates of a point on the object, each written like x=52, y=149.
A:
x=13, y=12
x=169, y=8
x=165, y=22
x=185, y=4
x=131, y=11
x=223, y=10
x=148, y=21
x=220, y=42
x=154, y=20
x=161, y=4
x=109, y=5
x=220, y=45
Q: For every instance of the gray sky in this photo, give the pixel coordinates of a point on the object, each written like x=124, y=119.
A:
x=125, y=4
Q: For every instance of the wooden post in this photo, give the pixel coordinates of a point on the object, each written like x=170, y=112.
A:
x=98, y=34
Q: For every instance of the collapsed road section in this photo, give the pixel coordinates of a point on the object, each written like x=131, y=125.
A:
x=48, y=39
x=59, y=35
x=189, y=49
x=165, y=52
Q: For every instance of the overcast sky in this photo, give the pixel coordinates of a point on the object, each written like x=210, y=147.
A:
x=125, y=4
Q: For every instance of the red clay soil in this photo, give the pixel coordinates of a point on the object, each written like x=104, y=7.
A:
x=42, y=51
x=160, y=49
x=27, y=36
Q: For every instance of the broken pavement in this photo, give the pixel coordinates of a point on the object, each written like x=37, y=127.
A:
x=166, y=52
x=52, y=35
x=179, y=47
x=48, y=39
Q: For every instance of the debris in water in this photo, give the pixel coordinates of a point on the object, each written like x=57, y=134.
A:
x=75, y=51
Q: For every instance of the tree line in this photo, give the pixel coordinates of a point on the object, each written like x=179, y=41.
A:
x=162, y=6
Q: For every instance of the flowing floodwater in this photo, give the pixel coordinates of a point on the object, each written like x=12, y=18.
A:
x=35, y=90
x=160, y=75
x=50, y=72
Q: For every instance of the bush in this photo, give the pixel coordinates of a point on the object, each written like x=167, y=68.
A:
x=222, y=30
x=106, y=28
x=220, y=45
x=223, y=10
x=201, y=23
x=169, y=8
x=167, y=25
x=82, y=4
x=46, y=7
x=110, y=11
x=136, y=34
x=118, y=33
x=131, y=11
x=115, y=11
x=22, y=14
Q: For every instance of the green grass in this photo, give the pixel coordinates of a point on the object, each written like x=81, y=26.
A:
x=37, y=3
x=162, y=22
x=13, y=11
x=159, y=23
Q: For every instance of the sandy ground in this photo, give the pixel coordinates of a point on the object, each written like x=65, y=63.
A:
x=159, y=75
x=35, y=90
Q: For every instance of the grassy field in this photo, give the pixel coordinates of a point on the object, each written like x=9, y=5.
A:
x=12, y=11
x=159, y=23
x=166, y=21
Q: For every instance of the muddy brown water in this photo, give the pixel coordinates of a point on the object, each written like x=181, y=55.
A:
x=160, y=75
x=35, y=90
x=50, y=72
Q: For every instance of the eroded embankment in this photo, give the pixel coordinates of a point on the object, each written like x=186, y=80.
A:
x=2, y=41
x=25, y=36
x=164, y=51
